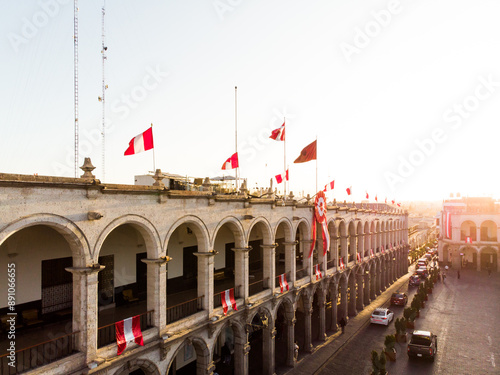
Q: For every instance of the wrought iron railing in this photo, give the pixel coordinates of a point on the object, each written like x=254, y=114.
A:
x=184, y=309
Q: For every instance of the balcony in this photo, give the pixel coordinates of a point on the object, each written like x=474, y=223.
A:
x=106, y=335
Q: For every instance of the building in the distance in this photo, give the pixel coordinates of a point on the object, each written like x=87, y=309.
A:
x=469, y=233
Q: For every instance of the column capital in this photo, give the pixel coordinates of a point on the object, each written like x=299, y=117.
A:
x=85, y=270
x=160, y=261
x=269, y=246
x=291, y=243
x=241, y=249
x=210, y=253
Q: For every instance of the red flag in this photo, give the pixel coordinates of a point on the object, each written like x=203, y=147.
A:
x=282, y=177
x=468, y=240
x=399, y=204
x=142, y=142
x=386, y=200
x=349, y=190
x=278, y=134
x=283, y=283
x=329, y=186
x=342, y=265
x=358, y=256
x=227, y=298
x=367, y=196
x=371, y=253
x=393, y=201
x=308, y=153
x=317, y=271
x=128, y=330
x=231, y=163
x=376, y=199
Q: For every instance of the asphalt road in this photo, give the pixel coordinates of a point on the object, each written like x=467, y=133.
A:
x=465, y=315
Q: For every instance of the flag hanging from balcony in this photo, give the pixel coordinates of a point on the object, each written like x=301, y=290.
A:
x=342, y=265
x=142, y=142
x=308, y=153
x=227, y=298
x=128, y=330
x=278, y=134
x=317, y=271
x=282, y=177
x=231, y=163
x=319, y=215
x=382, y=249
x=447, y=225
x=371, y=253
x=283, y=283
x=358, y=256
x=329, y=186
x=468, y=240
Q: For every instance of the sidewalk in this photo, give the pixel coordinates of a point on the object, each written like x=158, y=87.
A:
x=311, y=363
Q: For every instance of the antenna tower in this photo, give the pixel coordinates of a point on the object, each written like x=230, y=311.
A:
x=75, y=44
x=103, y=98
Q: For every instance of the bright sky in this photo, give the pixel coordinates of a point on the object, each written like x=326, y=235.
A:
x=403, y=96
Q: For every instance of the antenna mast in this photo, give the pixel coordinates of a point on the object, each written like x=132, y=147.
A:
x=75, y=76
x=103, y=98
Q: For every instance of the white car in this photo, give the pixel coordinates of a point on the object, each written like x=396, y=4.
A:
x=381, y=316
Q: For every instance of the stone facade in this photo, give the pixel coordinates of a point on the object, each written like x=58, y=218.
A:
x=85, y=213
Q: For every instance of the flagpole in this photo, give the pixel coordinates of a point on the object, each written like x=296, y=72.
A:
x=284, y=156
x=316, y=163
x=236, y=131
x=154, y=161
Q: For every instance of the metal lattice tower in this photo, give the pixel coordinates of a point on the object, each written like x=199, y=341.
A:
x=75, y=44
x=103, y=98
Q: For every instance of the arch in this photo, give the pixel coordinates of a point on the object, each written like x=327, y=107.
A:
x=488, y=231
x=199, y=228
x=468, y=228
x=145, y=365
x=235, y=226
x=236, y=360
x=342, y=228
x=78, y=243
x=142, y=225
x=264, y=225
x=202, y=353
x=304, y=228
x=288, y=229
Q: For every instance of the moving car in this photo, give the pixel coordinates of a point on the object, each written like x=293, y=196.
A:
x=381, y=316
x=422, y=344
x=422, y=273
x=399, y=298
x=414, y=280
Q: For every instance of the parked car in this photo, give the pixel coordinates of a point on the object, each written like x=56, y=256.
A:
x=399, y=298
x=414, y=280
x=422, y=273
x=381, y=316
x=422, y=344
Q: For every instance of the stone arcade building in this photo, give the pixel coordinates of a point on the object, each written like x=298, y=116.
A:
x=88, y=254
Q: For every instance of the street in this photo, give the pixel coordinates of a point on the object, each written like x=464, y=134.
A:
x=463, y=313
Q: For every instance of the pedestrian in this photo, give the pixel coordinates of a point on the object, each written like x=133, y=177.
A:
x=343, y=323
x=458, y=274
x=296, y=351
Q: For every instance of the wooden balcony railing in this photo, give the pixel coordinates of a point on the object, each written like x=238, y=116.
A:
x=39, y=355
x=184, y=309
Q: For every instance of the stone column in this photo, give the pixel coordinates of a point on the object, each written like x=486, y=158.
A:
x=343, y=300
x=290, y=265
x=157, y=290
x=241, y=272
x=307, y=327
x=360, y=292
x=366, y=300
x=206, y=278
x=478, y=234
x=269, y=276
x=268, y=336
x=361, y=245
x=335, y=296
x=85, y=309
x=373, y=285
x=241, y=350
x=290, y=357
x=352, y=298
x=306, y=261
x=322, y=319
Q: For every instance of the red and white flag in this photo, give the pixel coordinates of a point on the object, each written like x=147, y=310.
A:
x=128, y=330
x=282, y=177
x=231, y=163
x=278, y=134
x=283, y=283
x=227, y=298
x=390, y=246
x=382, y=249
x=376, y=199
x=371, y=253
x=142, y=142
x=329, y=186
x=468, y=240
x=358, y=255
x=399, y=204
x=367, y=196
x=393, y=201
x=349, y=190
x=317, y=271
x=342, y=265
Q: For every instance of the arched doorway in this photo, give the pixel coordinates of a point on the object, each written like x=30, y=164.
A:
x=284, y=340
x=191, y=358
x=300, y=325
x=489, y=259
x=259, y=338
x=261, y=243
